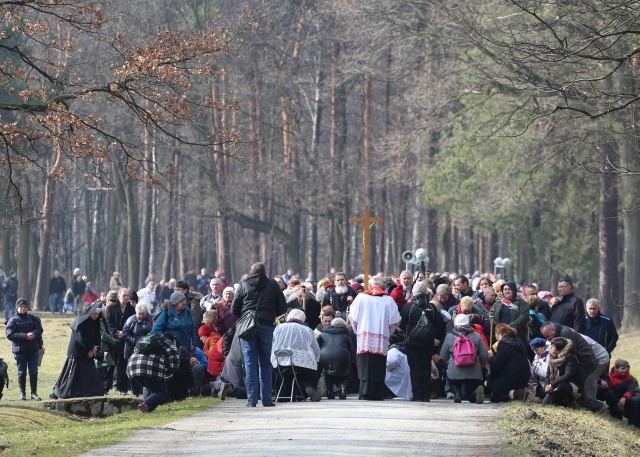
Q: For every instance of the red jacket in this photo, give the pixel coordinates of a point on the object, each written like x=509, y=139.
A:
x=397, y=294
x=628, y=382
x=215, y=361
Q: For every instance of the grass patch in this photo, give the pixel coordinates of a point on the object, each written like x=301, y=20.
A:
x=557, y=431
x=36, y=431
x=26, y=428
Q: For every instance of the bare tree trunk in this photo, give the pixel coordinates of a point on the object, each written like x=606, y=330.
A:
x=146, y=202
x=112, y=222
x=609, y=290
x=88, y=240
x=24, y=232
x=42, y=283
x=455, y=250
x=367, y=148
x=168, y=265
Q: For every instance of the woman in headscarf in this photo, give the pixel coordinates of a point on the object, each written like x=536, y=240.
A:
x=468, y=375
x=80, y=377
x=295, y=336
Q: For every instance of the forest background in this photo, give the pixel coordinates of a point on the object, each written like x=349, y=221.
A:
x=160, y=135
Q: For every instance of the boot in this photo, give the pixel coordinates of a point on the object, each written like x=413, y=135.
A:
x=457, y=396
x=343, y=393
x=22, y=383
x=33, y=381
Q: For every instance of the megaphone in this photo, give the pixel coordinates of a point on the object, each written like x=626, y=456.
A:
x=408, y=257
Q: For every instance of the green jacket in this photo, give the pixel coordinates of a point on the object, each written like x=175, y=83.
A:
x=519, y=317
x=107, y=343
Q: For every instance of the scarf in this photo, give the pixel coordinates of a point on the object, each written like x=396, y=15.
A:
x=555, y=362
x=537, y=315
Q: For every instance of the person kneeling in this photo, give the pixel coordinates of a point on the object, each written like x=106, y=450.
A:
x=564, y=386
x=296, y=337
x=510, y=370
x=152, y=369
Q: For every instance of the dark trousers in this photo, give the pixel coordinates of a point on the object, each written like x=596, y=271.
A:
x=562, y=394
x=465, y=388
x=419, y=359
x=122, y=381
x=337, y=381
x=154, y=392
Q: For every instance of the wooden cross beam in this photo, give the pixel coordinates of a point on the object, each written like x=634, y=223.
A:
x=367, y=222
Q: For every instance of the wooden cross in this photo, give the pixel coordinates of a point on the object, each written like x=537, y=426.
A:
x=367, y=222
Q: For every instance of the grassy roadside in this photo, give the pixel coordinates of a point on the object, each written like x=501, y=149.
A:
x=533, y=430
x=28, y=429
x=35, y=431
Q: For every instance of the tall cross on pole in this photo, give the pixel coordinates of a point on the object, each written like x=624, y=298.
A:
x=367, y=222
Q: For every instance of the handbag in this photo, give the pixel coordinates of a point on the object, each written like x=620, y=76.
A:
x=247, y=326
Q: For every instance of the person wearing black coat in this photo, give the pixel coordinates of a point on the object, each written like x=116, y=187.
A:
x=263, y=295
x=565, y=384
x=600, y=327
x=579, y=347
x=24, y=330
x=420, y=352
x=311, y=307
x=569, y=311
x=337, y=353
x=509, y=368
x=80, y=377
x=118, y=312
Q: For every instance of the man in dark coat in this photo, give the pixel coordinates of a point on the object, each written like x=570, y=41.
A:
x=263, y=295
x=600, y=327
x=582, y=350
x=420, y=351
x=341, y=296
x=57, y=289
x=78, y=287
x=337, y=353
x=569, y=311
x=118, y=311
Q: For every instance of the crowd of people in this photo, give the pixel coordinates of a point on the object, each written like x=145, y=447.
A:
x=414, y=336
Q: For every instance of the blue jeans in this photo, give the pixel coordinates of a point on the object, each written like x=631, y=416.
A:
x=9, y=309
x=56, y=303
x=25, y=361
x=154, y=392
x=257, y=361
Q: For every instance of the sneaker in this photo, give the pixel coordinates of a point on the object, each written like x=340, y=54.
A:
x=226, y=390
x=313, y=394
x=450, y=395
x=603, y=408
x=143, y=407
x=35, y=397
x=480, y=395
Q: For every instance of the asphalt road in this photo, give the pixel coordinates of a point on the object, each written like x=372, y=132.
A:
x=329, y=428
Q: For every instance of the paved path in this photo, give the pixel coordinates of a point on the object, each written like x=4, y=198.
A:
x=329, y=428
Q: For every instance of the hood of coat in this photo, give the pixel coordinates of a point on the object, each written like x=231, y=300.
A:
x=258, y=281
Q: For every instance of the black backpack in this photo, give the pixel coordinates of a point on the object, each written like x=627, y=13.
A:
x=423, y=331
